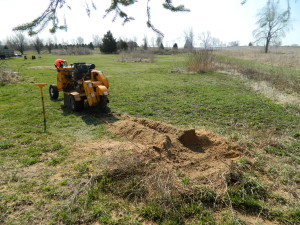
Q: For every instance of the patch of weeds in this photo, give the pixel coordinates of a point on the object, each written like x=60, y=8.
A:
x=50, y=190
x=243, y=164
x=285, y=174
x=104, y=183
x=246, y=192
x=276, y=151
x=186, y=180
x=6, y=145
x=82, y=167
x=228, y=218
x=26, y=140
x=176, y=211
x=247, y=203
x=204, y=194
x=132, y=189
x=3, y=211
x=27, y=217
x=51, y=147
x=59, y=157
x=291, y=216
x=27, y=161
x=278, y=198
x=65, y=215
x=40, y=204
x=12, y=197
x=54, y=161
x=56, y=146
x=25, y=186
x=294, y=216
x=89, y=207
x=31, y=156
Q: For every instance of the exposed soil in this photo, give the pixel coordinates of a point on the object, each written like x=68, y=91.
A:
x=199, y=154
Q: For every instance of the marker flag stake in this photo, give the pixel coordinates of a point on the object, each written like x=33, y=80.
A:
x=42, y=96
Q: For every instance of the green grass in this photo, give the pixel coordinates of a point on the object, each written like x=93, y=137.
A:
x=215, y=101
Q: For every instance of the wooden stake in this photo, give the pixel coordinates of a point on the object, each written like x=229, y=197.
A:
x=42, y=96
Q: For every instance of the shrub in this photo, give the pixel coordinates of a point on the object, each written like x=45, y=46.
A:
x=6, y=75
x=201, y=61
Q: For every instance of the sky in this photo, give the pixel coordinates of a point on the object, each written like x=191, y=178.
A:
x=226, y=20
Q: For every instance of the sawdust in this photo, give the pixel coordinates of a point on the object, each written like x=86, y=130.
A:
x=198, y=154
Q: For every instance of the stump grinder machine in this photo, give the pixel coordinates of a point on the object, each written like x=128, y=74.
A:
x=81, y=84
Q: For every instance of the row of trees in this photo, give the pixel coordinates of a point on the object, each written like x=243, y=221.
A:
x=272, y=26
x=272, y=22
x=109, y=44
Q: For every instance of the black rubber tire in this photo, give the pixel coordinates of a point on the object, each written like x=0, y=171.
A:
x=76, y=105
x=53, y=91
x=103, y=103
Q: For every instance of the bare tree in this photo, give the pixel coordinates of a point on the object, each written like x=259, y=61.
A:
x=79, y=41
x=159, y=40
x=145, y=43
x=152, y=42
x=234, y=43
x=206, y=40
x=37, y=44
x=97, y=41
x=272, y=24
x=17, y=42
x=49, y=45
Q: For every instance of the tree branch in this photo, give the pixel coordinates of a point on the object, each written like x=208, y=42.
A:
x=50, y=14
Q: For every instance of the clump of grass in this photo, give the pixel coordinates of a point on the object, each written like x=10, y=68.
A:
x=201, y=61
x=136, y=56
x=228, y=218
x=176, y=211
x=6, y=75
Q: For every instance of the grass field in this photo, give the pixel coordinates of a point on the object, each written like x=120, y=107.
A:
x=264, y=183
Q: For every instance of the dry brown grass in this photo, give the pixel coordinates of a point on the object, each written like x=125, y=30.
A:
x=278, y=56
x=201, y=61
x=276, y=75
x=136, y=56
x=6, y=75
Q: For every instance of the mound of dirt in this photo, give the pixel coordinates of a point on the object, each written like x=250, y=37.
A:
x=200, y=155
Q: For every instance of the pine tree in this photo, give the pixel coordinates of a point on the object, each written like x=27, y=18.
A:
x=109, y=43
x=161, y=46
x=175, y=46
x=91, y=46
x=122, y=45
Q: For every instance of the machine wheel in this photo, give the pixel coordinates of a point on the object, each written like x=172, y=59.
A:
x=76, y=105
x=103, y=103
x=53, y=91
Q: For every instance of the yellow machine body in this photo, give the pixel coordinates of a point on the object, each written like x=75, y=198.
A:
x=82, y=85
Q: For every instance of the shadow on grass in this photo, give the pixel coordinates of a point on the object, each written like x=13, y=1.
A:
x=92, y=115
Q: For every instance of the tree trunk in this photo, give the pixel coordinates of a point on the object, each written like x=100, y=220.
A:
x=267, y=45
